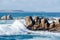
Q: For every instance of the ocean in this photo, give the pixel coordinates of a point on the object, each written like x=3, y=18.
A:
x=23, y=14
x=15, y=29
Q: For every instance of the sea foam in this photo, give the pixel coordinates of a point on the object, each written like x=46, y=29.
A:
x=17, y=27
x=14, y=28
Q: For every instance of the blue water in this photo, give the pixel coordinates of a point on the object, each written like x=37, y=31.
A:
x=23, y=14
x=28, y=36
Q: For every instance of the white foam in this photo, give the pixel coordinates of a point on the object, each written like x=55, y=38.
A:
x=14, y=28
x=17, y=27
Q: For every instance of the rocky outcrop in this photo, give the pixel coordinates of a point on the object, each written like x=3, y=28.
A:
x=52, y=26
x=37, y=23
x=57, y=28
x=9, y=17
x=29, y=22
x=44, y=24
x=4, y=18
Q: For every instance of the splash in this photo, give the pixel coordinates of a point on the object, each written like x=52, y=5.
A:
x=18, y=27
x=15, y=28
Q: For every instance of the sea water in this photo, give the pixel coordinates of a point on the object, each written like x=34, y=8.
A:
x=16, y=30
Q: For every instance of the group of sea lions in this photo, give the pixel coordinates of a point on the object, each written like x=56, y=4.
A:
x=38, y=24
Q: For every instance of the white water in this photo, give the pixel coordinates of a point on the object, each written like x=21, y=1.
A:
x=18, y=27
x=15, y=28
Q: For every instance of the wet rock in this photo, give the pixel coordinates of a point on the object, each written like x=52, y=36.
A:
x=29, y=22
x=35, y=27
x=57, y=21
x=36, y=23
x=4, y=18
x=36, y=18
x=57, y=28
x=9, y=17
x=44, y=24
x=52, y=26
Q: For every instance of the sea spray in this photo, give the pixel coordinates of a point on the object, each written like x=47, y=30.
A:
x=14, y=28
x=17, y=28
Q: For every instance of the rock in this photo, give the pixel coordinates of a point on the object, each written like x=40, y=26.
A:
x=35, y=27
x=52, y=26
x=57, y=21
x=9, y=17
x=36, y=18
x=4, y=18
x=29, y=22
x=36, y=23
x=57, y=28
x=44, y=24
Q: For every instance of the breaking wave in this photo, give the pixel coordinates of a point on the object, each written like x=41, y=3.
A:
x=17, y=27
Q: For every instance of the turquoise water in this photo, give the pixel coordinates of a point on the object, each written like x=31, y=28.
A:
x=29, y=36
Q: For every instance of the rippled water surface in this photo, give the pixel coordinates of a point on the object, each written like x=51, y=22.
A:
x=29, y=37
